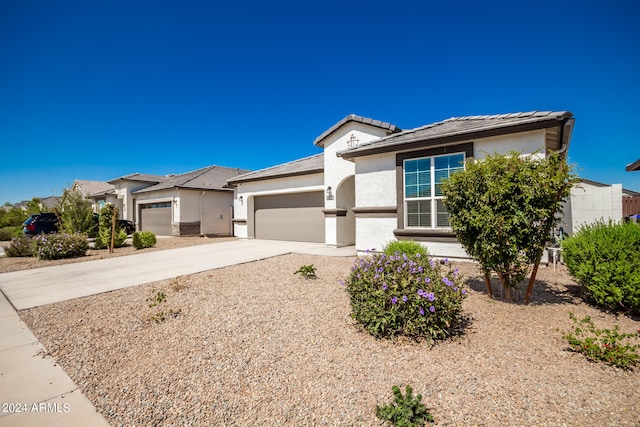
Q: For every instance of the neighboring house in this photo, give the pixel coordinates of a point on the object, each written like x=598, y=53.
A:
x=95, y=191
x=46, y=203
x=375, y=183
x=591, y=201
x=122, y=193
x=193, y=203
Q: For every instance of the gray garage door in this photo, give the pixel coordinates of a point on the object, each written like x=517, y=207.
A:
x=296, y=217
x=156, y=217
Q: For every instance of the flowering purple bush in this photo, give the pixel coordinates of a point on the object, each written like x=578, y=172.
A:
x=407, y=295
x=57, y=246
x=20, y=247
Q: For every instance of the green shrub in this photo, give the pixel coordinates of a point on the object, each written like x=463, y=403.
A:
x=409, y=247
x=8, y=233
x=405, y=295
x=20, y=247
x=606, y=345
x=58, y=246
x=404, y=411
x=105, y=223
x=143, y=239
x=605, y=259
x=307, y=271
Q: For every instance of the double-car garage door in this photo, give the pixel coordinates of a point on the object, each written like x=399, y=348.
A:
x=296, y=217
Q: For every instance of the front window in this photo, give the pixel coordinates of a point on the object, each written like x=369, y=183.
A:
x=424, y=205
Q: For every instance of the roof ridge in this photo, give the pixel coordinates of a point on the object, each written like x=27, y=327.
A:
x=278, y=165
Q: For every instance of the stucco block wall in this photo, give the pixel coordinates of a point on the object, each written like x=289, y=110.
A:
x=590, y=203
x=374, y=233
x=376, y=181
x=524, y=142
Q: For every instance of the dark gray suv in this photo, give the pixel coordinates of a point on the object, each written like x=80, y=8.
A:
x=46, y=222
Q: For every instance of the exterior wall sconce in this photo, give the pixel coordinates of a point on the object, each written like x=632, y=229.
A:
x=329, y=194
x=241, y=200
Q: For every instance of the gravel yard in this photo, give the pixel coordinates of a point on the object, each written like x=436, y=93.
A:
x=255, y=344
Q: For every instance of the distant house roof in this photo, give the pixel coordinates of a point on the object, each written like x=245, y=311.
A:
x=209, y=178
x=635, y=166
x=88, y=188
x=459, y=129
x=48, y=202
x=141, y=177
x=357, y=119
x=304, y=166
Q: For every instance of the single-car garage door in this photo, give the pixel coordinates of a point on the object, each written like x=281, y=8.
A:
x=296, y=217
x=156, y=217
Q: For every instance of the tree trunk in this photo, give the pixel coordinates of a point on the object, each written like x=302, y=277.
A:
x=487, y=281
x=505, y=286
x=113, y=231
x=532, y=280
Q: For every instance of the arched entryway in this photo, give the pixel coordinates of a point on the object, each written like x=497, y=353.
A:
x=345, y=202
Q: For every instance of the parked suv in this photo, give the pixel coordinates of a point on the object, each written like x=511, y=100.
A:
x=40, y=223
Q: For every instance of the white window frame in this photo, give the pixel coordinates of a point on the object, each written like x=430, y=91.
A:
x=432, y=198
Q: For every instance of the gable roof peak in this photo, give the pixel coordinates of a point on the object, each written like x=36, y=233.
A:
x=388, y=127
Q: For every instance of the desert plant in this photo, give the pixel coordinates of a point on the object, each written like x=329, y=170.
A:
x=60, y=245
x=604, y=257
x=105, y=224
x=406, y=295
x=503, y=209
x=9, y=232
x=404, y=411
x=22, y=246
x=76, y=214
x=606, y=345
x=307, y=271
x=159, y=299
x=143, y=239
x=408, y=247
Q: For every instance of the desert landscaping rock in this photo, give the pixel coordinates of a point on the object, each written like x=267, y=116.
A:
x=255, y=344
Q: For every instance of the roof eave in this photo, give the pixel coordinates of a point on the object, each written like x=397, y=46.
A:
x=635, y=166
x=233, y=183
x=452, y=137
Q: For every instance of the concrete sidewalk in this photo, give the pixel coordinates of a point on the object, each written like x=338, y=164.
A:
x=36, y=391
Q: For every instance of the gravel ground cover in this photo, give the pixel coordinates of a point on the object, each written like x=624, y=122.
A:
x=255, y=344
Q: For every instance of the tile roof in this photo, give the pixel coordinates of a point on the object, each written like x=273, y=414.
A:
x=304, y=166
x=88, y=187
x=141, y=177
x=358, y=119
x=209, y=178
x=462, y=128
x=635, y=166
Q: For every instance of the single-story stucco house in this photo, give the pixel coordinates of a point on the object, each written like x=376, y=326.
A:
x=374, y=183
x=192, y=203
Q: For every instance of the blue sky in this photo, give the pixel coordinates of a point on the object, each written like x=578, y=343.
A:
x=97, y=90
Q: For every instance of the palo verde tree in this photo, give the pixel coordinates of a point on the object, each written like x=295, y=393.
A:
x=503, y=209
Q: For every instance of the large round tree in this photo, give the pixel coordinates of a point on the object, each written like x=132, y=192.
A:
x=503, y=209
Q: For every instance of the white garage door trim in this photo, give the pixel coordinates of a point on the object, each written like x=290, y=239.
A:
x=294, y=216
x=156, y=217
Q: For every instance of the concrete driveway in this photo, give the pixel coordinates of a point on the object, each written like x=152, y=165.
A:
x=31, y=288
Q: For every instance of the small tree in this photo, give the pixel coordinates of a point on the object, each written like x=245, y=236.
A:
x=76, y=215
x=503, y=210
x=103, y=239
